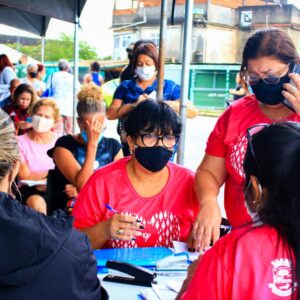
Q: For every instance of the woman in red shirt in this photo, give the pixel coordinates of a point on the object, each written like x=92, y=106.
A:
x=260, y=260
x=268, y=60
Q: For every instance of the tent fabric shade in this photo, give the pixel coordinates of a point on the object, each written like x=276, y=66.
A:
x=34, y=15
x=24, y=20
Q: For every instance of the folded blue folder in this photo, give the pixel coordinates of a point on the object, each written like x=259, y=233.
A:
x=145, y=257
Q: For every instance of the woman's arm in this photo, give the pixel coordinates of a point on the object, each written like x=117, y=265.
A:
x=112, y=112
x=119, y=155
x=210, y=176
x=191, y=110
x=67, y=163
x=26, y=174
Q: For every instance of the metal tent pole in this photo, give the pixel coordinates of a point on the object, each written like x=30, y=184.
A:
x=185, y=74
x=43, y=50
x=161, y=58
x=76, y=57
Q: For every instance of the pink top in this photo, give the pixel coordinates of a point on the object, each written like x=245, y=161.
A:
x=249, y=263
x=167, y=216
x=228, y=140
x=35, y=154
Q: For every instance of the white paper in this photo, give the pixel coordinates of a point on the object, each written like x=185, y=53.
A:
x=33, y=182
x=182, y=247
x=153, y=95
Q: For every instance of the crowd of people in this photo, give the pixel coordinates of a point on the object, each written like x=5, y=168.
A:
x=133, y=195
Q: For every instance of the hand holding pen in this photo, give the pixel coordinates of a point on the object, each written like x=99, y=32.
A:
x=123, y=227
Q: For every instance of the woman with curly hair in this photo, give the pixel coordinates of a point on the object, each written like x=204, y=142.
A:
x=77, y=156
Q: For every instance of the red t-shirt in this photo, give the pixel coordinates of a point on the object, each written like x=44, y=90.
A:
x=249, y=263
x=167, y=216
x=228, y=140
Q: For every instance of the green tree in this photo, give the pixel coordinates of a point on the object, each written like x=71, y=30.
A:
x=57, y=49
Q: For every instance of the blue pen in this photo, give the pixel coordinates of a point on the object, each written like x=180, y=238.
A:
x=227, y=227
x=111, y=208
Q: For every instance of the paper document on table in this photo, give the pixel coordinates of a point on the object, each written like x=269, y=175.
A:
x=33, y=182
x=182, y=247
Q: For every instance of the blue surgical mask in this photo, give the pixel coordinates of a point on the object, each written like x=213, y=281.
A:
x=86, y=139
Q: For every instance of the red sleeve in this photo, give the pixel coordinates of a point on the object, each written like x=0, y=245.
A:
x=89, y=205
x=215, y=144
x=210, y=281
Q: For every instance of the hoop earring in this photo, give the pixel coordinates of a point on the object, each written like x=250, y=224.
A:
x=257, y=203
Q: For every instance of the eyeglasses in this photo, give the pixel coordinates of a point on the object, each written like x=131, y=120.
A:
x=151, y=139
x=253, y=79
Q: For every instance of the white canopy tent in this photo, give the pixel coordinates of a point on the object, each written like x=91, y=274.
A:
x=34, y=16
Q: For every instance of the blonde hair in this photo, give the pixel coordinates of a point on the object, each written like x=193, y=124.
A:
x=45, y=102
x=9, y=150
x=90, y=100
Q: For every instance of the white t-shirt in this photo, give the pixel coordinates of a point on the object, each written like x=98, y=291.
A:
x=62, y=88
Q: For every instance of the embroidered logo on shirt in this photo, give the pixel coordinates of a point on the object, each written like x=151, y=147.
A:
x=282, y=278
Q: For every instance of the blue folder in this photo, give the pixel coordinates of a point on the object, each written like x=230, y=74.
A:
x=145, y=257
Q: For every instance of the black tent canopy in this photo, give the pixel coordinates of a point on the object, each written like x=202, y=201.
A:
x=34, y=15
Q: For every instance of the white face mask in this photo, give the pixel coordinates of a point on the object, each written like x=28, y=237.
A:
x=145, y=73
x=41, y=124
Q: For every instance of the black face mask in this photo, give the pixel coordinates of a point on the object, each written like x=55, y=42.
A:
x=153, y=159
x=33, y=74
x=270, y=94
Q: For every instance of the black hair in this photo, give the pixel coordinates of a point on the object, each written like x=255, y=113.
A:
x=95, y=67
x=152, y=116
x=24, y=88
x=276, y=165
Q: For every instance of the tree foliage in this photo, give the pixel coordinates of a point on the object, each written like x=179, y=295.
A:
x=57, y=49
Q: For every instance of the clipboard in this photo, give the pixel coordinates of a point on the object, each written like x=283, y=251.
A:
x=143, y=257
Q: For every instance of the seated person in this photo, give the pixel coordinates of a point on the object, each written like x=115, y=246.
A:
x=14, y=83
x=154, y=198
x=77, y=156
x=35, y=249
x=35, y=163
x=24, y=97
x=260, y=260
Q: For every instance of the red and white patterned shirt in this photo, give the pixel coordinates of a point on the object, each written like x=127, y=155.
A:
x=228, y=140
x=167, y=216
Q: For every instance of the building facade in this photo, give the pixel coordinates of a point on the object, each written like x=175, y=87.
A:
x=220, y=27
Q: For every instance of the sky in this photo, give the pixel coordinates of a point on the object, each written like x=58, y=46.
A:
x=95, y=20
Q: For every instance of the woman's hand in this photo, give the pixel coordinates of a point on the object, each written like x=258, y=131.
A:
x=206, y=228
x=93, y=131
x=191, y=270
x=122, y=227
x=292, y=91
x=71, y=191
x=24, y=125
